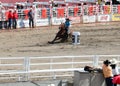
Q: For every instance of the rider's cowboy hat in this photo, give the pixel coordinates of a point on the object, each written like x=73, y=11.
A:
x=114, y=61
x=68, y=19
x=107, y=62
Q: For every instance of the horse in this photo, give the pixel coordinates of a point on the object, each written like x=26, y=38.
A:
x=61, y=35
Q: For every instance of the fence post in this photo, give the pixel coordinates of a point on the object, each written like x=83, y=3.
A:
x=95, y=60
x=50, y=16
x=118, y=59
x=26, y=68
x=72, y=62
x=66, y=10
x=97, y=11
x=35, y=16
x=51, y=67
x=82, y=12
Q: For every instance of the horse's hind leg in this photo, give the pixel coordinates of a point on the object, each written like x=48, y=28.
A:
x=53, y=41
x=64, y=38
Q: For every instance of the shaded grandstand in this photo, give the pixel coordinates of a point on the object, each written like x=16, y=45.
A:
x=14, y=1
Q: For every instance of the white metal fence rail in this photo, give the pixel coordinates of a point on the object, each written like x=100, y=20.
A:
x=27, y=68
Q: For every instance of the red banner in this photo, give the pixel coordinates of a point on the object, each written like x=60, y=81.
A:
x=60, y=12
x=44, y=13
x=6, y=14
x=118, y=9
x=76, y=11
x=106, y=10
x=26, y=13
x=90, y=10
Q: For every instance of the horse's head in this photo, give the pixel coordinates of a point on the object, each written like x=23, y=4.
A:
x=62, y=26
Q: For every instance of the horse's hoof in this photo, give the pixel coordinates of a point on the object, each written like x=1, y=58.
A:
x=50, y=42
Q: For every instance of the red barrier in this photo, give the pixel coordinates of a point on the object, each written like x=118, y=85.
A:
x=90, y=10
x=6, y=14
x=26, y=13
x=76, y=11
x=118, y=9
x=44, y=13
x=106, y=9
x=60, y=12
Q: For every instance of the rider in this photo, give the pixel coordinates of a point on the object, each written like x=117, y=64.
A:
x=67, y=24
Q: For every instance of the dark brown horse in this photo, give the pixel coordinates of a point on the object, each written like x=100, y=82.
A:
x=62, y=35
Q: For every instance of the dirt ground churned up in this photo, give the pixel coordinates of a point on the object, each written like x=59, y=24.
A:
x=95, y=39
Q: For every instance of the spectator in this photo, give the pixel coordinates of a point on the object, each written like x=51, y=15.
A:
x=9, y=19
x=107, y=72
x=31, y=18
x=15, y=16
x=114, y=68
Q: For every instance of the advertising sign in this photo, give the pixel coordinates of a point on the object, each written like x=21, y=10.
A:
x=78, y=1
x=22, y=23
x=42, y=22
x=116, y=17
x=57, y=21
x=75, y=20
x=103, y=18
x=89, y=19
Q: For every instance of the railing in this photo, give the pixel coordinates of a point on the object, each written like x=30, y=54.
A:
x=56, y=15
x=28, y=68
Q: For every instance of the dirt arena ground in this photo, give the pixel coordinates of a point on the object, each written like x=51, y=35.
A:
x=95, y=39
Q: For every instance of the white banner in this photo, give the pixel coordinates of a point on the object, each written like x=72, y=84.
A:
x=89, y=19
x=103, y=18
x=75, y=20
x=22, y=23
x=78, y=1
x=57, y=21
x=42, y=22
